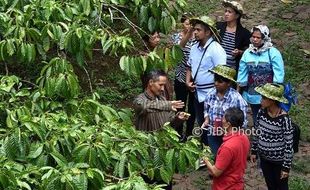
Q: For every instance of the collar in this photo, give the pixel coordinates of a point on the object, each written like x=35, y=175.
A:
x=149, y=96
x=207, y=43
x=226, y=95
x=231, y=134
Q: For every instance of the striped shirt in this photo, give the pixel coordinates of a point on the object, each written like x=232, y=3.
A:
x=153, y=113
x=180, y=71
x=273, y=139
x=216, y=107
x=228, y=44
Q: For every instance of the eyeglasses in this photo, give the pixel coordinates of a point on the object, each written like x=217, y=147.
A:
x=220, y=79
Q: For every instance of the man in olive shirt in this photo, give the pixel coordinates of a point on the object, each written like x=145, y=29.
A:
x=152, y=109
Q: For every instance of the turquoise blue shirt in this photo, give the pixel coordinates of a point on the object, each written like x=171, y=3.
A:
x=263, y=67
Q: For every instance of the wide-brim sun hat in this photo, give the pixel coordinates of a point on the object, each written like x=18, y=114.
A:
x=272, y=91
x=235, y=5
x=209, y=22
x=224, y=71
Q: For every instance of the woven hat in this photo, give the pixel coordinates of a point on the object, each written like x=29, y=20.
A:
x=235, y=5
x=272, y=91
x=224, y=71
x=209, y=22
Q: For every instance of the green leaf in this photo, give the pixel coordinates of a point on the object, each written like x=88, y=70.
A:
x=80, y=181
x=23, y=185
x=36, y=153
x=121, y=165
x=182, y=161
x=164, y=174
x=170, y=159
x=151, y=24
x=46, y=43
x=78, y=31
x=60, y=159
x=10, y=47
x=143, y=15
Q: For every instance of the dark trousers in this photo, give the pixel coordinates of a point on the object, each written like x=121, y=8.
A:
x=272, y=174
x=199, y=109
x=183, y=94
x=255, y=108
x=214, y=142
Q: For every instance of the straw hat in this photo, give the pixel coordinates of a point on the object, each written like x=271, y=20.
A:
x=209, y=22
x=235, y=5
x=272, y=91
x=224, y=71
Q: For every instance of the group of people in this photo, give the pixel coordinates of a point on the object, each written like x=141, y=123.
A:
x=224, y=70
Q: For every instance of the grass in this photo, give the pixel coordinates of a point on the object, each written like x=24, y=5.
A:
x=296, y=61
x=302, y=165
x=298, y=183
x=118, y=87
x=202, y=7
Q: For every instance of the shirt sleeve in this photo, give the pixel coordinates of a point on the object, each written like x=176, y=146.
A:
x=277, y=66
x=223, y=158
x=206, y=107
x=143, y=106
x=218, y=55
x=288, y=139
x=175, y=38
x=188, y=64
x=242, y=104
x=242, y=78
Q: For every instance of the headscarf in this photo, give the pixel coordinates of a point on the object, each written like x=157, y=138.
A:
x=266, y=39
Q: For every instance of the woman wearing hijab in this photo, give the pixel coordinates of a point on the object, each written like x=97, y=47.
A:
x=261, y=63
x=273, y=137
x=235, y=38
x=185, y=38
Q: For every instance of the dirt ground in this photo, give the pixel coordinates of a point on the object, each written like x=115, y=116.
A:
x=258, y=12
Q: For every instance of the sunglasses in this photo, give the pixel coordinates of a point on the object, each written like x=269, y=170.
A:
x=220, y=79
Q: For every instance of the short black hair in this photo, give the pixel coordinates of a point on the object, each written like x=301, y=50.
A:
x=185, y=16
x=146, y=37
x=234, y=116
x=205, y=26
x=152, y=75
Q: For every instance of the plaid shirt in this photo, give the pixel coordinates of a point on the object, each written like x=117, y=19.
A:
x=214, y=107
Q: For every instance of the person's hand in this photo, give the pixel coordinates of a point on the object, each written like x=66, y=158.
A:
x=191, y=86
x=178, y=104
x=253, y=158
x=183, y=115
x=236, y=52
x=206, y=122
x=284, y=174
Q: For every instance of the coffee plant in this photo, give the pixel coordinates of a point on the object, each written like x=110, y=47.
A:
x=61, y=141
x=53, y=137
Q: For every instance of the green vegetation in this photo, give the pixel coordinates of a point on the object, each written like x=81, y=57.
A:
x=296, y=60
x=53, y=140
x=55, y=136
x=299, y=183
